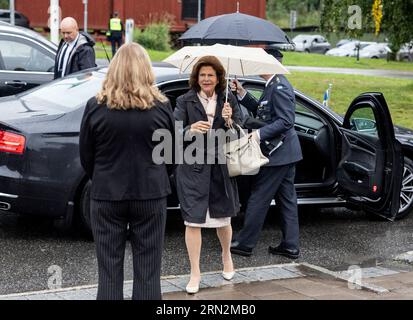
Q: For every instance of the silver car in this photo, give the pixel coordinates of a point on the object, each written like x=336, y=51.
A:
x=406, y=52
x=349, y=49
x=311, y=44
x=375, y=51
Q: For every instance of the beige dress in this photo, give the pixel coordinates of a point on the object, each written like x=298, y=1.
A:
x=210, y=105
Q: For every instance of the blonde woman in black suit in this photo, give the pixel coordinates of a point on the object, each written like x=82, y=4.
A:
x=128, y=188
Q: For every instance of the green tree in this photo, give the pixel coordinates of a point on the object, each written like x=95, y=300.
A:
x=397, y=21
x=4, y=4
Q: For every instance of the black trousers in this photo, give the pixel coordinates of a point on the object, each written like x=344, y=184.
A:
x=109, y=221
x=116, y=44
x=270, y=181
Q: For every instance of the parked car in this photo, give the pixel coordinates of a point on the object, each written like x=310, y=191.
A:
x=343, y=41
x=406, y=52
x=311, y=44
x=359, y=160
x=348, y=49
x=26, y=59
x=375, y=51
x=19, y=18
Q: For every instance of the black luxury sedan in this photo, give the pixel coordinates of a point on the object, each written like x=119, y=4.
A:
x=26, y=59
x=359, y=160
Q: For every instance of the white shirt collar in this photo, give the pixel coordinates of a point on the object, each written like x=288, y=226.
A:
x=72, y=44
x=269, y=80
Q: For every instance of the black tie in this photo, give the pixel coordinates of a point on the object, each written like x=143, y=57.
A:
x=62, y=58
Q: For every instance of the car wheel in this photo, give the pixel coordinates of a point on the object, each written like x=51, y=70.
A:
x=84, y=208
x=406, y=194
x=306, y=51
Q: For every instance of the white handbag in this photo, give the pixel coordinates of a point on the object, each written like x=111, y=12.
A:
x=244, y=156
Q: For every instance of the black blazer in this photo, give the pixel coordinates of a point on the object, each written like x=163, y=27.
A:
x=116, y=151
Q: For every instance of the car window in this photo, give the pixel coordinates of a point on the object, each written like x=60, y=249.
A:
x=307, y=119
x=363, y=121
x=18, y=56
x=65, y=94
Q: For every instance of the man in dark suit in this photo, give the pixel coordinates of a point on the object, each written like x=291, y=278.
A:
x=275, y=110
x=75, y=50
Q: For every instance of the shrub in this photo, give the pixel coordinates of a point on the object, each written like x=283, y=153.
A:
x=155, y=36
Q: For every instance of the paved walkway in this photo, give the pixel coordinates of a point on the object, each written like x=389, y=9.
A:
x=365, y=72
x=278, y=282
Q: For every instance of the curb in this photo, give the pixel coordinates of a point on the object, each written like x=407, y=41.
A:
x=347, y=278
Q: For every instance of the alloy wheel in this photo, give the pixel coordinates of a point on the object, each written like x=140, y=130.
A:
x=406, y=194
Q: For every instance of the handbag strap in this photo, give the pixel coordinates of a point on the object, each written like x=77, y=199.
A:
x=231, y=127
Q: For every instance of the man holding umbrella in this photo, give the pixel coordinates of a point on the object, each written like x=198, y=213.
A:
x=275, y=115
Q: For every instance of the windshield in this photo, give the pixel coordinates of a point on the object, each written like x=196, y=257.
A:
x=65, y=94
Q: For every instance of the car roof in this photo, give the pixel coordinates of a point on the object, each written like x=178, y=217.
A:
x=16, y=30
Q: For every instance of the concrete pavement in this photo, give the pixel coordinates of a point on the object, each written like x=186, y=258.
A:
x=295, y=281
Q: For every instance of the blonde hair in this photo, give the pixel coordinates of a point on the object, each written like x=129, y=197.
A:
x=130, y=81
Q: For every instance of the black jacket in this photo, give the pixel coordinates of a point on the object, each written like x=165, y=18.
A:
x=201, y=186
x=83, y=57
x=116, y=151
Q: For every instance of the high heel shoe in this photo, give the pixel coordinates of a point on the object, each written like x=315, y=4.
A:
x=192, y=289
x=228, y=275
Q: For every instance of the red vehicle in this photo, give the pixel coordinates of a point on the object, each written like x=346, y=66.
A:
x=182, y=13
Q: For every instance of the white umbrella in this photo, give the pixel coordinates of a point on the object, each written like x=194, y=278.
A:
x=238, y=61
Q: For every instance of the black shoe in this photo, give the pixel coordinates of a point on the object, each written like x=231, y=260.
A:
x=236, y=248
x=289, y=253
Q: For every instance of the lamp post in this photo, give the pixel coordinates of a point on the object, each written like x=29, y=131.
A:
x=199, y=10
x=85, y=16
x=12, y=11
x=54, y=21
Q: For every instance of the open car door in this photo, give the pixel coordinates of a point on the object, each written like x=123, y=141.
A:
x=370, y=169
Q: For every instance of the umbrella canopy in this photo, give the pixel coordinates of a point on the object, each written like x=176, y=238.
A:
x=236, y=29
x=239, y=61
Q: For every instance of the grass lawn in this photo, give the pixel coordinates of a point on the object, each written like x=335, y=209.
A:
x=318, y=60
x=398, y=92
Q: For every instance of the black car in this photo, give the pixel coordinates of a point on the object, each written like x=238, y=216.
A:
x=360, y=159
x=26, y=59
x=19, y=18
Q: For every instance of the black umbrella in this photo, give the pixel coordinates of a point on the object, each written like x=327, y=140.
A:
x=236, y=29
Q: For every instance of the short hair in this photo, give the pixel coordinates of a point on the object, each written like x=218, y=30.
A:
x=130, y=81
x=208, y=61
